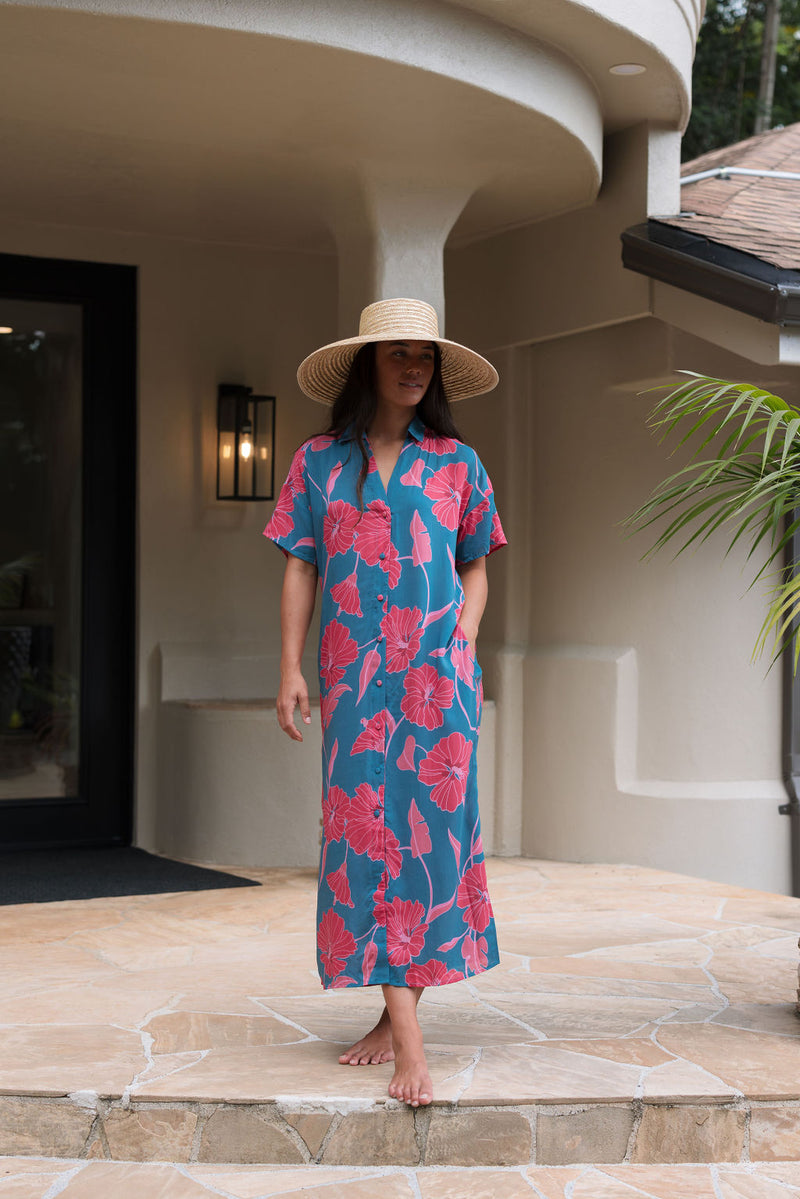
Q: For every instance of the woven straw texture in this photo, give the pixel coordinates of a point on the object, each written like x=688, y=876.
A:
x=464, y=373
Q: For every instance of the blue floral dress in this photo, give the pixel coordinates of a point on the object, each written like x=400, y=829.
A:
x=402, y=886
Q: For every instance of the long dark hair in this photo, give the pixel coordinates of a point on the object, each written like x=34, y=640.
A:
x=354, y=407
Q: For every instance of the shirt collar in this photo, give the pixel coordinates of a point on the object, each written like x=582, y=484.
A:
x=416, y=429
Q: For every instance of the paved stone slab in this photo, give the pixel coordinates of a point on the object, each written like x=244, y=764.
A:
x=31, y=1179
x=59, y=1059
x=775, y=1134
x=143, y=1136
x=242, y=1134
x=616, y=984
x=312, y=1127
x=485, y=1138
x=597, y=1134
x=373, y=1139
x=690, y=1134
x=59, y=1129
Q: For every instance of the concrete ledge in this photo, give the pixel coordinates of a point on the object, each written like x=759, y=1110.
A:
x=235, y=789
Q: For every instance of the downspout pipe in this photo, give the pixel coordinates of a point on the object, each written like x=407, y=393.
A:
x=791, y=733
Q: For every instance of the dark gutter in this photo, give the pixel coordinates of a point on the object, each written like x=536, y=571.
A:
x=713, y=270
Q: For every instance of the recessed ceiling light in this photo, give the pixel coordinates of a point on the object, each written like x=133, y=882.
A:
x=628, y=68
x=6, y=329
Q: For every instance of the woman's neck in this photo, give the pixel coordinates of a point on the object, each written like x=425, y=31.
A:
x=390, y=424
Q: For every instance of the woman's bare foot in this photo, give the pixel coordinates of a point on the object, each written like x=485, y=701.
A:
x=374, y=1048
x=411, y=1082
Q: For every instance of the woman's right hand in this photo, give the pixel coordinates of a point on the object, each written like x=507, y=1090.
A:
x=292, y=693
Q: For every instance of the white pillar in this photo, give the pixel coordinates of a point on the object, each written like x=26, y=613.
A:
x=390, y=232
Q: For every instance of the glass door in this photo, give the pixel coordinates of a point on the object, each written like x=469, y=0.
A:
x=40, y=549
x=66, y=551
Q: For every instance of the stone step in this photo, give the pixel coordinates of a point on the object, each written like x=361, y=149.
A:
x=636, y=1017
x=32, y=1178
x=386, y=1134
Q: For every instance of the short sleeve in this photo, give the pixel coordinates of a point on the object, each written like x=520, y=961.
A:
x=291, y=525
x=479, y=530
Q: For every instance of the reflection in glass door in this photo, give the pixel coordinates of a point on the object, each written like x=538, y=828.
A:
x=40, y=549
x=67, y=551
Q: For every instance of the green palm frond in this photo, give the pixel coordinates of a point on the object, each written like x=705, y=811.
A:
x=743, y=475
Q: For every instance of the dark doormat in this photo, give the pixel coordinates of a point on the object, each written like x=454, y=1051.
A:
x=54, y=875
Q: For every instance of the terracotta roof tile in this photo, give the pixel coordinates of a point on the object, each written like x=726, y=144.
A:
x=759, y=216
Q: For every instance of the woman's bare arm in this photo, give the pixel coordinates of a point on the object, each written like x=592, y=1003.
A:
x=297, y=607
x=476, y=591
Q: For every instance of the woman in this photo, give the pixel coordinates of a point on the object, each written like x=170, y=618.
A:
x=394, y=516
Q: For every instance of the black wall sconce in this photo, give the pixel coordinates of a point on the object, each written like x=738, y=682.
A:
x=245, y=444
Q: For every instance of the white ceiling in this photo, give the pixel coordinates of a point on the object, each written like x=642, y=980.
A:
x=220, y=134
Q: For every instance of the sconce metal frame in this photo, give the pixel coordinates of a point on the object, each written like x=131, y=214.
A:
x=242, y=417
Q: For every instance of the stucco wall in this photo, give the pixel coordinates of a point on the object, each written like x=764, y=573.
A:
x=638, y=729
x=653, y=737
x=208, y=313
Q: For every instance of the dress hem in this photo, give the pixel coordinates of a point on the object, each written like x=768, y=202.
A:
x=387, y=982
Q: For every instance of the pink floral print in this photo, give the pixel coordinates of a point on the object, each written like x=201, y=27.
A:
x=402, y=895
x=446, y=770
x=338, y=650
x=403, y=632
x=427, y=695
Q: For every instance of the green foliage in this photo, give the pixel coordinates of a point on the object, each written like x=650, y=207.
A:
x=726, y=74
x=743, y=475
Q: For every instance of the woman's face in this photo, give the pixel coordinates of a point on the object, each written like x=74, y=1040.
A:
x=403, y=371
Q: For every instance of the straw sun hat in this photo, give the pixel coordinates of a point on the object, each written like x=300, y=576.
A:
x=464, y=373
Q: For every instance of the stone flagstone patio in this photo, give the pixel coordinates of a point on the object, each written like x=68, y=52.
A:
x=27, y=1178
x=640, y=1022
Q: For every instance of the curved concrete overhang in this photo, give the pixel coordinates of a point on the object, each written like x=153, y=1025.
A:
x=660, y=35
x=241, y=121
x=248, y=120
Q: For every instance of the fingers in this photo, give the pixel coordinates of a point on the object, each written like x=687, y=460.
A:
x=285, y=715
x=285, y=711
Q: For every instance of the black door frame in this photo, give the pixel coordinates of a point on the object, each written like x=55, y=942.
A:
x=102, y=813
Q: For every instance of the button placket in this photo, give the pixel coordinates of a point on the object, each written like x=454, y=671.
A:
x=383, y=601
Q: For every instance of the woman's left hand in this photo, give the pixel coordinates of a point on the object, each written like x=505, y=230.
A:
x=470, y=631
x=473, y=580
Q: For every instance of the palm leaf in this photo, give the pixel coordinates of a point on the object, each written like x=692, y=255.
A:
x=751, y=484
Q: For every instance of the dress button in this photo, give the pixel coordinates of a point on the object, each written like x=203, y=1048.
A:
x=380, y=599
x=376, y=813
x=380, y=637
x=379, y=682
x=382, y=557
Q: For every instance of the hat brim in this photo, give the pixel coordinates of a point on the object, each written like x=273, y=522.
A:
x=323, y=374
